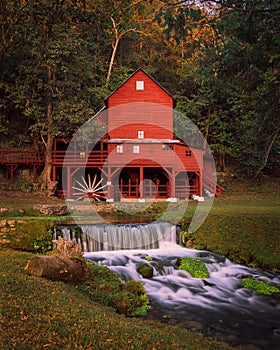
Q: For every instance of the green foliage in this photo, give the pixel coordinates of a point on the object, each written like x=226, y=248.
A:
x=106, y=288
x=259, y=286
x=37, y=313
x=35, y=236
x=194, y=266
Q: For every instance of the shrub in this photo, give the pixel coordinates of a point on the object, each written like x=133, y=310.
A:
x=259, y=286
x=35, y=237
x=106, y=288
x=194, y=266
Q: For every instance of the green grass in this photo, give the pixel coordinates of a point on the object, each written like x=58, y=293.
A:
x=244, y=226
x=40, y=314
x=245, y=230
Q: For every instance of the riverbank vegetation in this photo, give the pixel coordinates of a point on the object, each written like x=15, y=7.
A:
x=40, y=314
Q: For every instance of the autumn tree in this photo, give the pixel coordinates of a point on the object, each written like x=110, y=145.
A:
x=236, y=76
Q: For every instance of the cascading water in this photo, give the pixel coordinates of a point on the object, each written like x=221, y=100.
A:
x=218, y=306
x=117, y=237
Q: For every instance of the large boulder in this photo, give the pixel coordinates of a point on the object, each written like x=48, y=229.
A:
x=58, y=268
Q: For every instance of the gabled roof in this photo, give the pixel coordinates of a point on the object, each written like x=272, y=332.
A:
x=141, y=69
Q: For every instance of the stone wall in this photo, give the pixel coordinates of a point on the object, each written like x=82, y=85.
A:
x=7, y=227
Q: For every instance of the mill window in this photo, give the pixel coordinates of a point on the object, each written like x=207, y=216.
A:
x=139, y=85
x=136, y=149
x=119, y=149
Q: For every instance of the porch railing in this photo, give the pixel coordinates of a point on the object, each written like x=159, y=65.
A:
x=21, y=157
x=79, y=157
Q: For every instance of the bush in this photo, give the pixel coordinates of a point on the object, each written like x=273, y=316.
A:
x=35, y=237
x=106, y=288
x=194, y=266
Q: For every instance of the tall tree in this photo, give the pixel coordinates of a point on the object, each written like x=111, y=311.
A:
x=240, y=71
x=49, y=71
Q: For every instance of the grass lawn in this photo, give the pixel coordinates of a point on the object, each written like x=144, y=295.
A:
x=245, y=226
x=40, y=314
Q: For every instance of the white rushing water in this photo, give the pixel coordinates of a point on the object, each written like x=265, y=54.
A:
x=218, y=305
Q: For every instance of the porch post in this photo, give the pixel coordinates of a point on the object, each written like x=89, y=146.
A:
x=141, y=183
x=200, y=184
x=68, y=193
x=172, y=185
x=109, y=185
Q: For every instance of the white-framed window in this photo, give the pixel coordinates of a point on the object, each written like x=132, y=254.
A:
x=140, y=134
x=119, y=149
x=167, y=148
x=139, y=85
x=136, y=149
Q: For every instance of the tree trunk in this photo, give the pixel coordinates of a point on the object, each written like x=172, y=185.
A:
x=45, y=177
x=58, y=268
x=266, y=154
x=115, y=47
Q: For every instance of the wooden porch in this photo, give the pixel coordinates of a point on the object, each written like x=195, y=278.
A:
x=12, y=159
x=61, y=158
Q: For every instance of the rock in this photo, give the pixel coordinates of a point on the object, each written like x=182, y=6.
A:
x=11, y=223
x=49, y=209
x=58, y=268
x=145, y=270
x=3, y=223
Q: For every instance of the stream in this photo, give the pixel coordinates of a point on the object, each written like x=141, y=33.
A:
x=217, y=306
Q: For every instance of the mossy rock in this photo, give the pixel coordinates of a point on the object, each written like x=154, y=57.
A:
x=259, y=286
x=145, y=270
x=194, y=266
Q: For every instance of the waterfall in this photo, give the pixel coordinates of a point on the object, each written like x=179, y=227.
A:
x=119, y=237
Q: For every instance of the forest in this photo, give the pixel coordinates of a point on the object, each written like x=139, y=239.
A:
x=220, y=60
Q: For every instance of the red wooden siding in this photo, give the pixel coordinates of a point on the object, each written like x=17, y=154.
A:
x=130, y=131
x=150, y=153
x=152, y=92
x=152, y=106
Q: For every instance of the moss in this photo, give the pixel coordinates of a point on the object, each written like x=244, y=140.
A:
x=194, y=266
x=148, y=258
x=259, y=286
x=34, y=236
